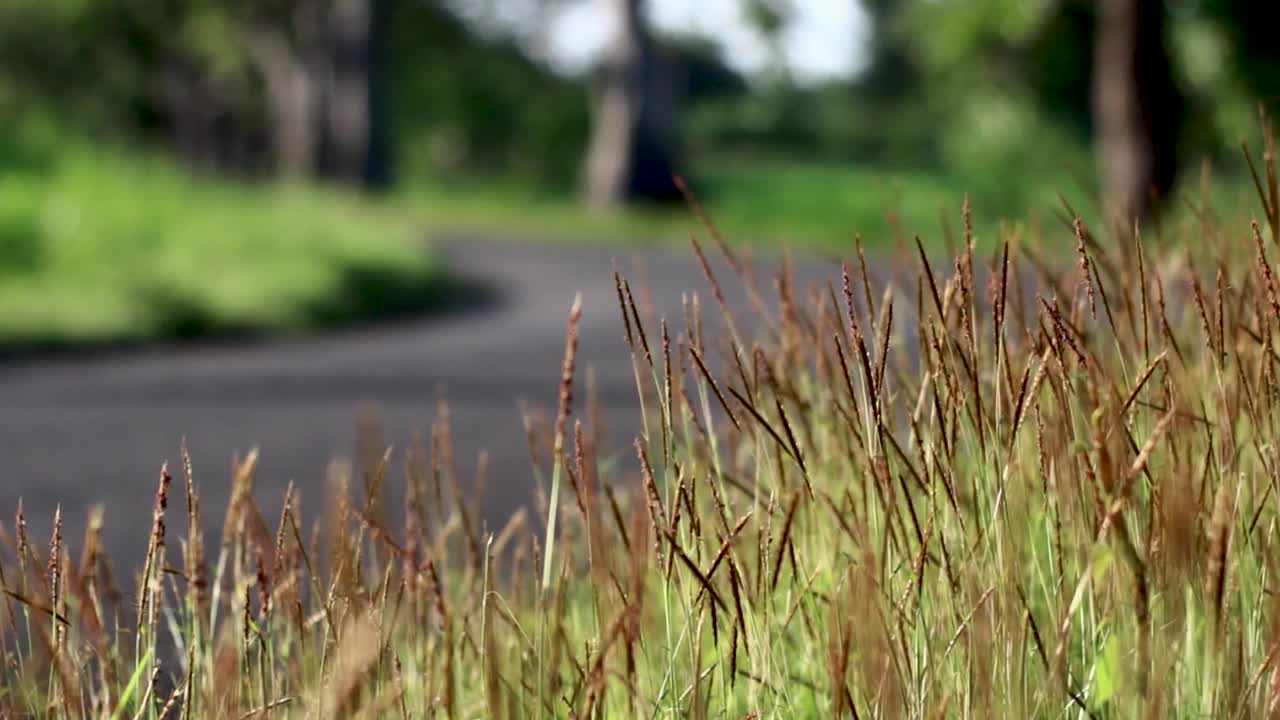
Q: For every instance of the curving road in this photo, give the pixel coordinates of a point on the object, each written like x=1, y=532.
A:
x=77, y=430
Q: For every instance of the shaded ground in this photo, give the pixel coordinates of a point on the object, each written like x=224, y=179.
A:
x=79, y=430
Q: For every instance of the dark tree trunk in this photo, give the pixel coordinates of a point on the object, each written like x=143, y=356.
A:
x=354, y=98
x=631, y=149
x=1136, y=108
x=378, y=169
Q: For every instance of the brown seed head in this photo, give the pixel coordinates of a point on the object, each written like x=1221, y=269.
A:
x=566, y=371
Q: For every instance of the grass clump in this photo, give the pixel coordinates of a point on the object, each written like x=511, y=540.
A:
x=977, y=493
x=101, y=246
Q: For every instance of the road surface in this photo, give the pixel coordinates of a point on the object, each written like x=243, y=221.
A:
x=79, y=430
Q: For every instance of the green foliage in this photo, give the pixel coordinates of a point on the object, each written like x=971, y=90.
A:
x=463, y=102
x=826, y=124
x=453, y=93
x=99, y=245
x=1108, y=672
x=1008, y=155
x=106, y=63
x=1041, y=53
x=1249, y=43
x=955, y=39
x=982, y=94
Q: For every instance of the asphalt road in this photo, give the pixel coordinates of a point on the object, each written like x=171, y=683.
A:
x=75, y=431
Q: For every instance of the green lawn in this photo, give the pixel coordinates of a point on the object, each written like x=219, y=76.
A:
x=755, y=201
x=102, y=245
x=810, y=205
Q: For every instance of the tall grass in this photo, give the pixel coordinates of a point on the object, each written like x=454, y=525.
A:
x=980, y=494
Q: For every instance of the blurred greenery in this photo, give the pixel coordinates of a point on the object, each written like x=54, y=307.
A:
x=150, y=207
x=471, y=101
x=470, y=104
x=766, y=202
x=106, y=245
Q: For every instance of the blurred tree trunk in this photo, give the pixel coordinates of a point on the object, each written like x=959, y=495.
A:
x=1136, y=108
x=631, y=148
x=355, y=96
x=290, y=58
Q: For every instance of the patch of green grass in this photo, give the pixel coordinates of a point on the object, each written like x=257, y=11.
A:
x=106, y=245
x=813, y=206
x=764, y=202
x=825, y=203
